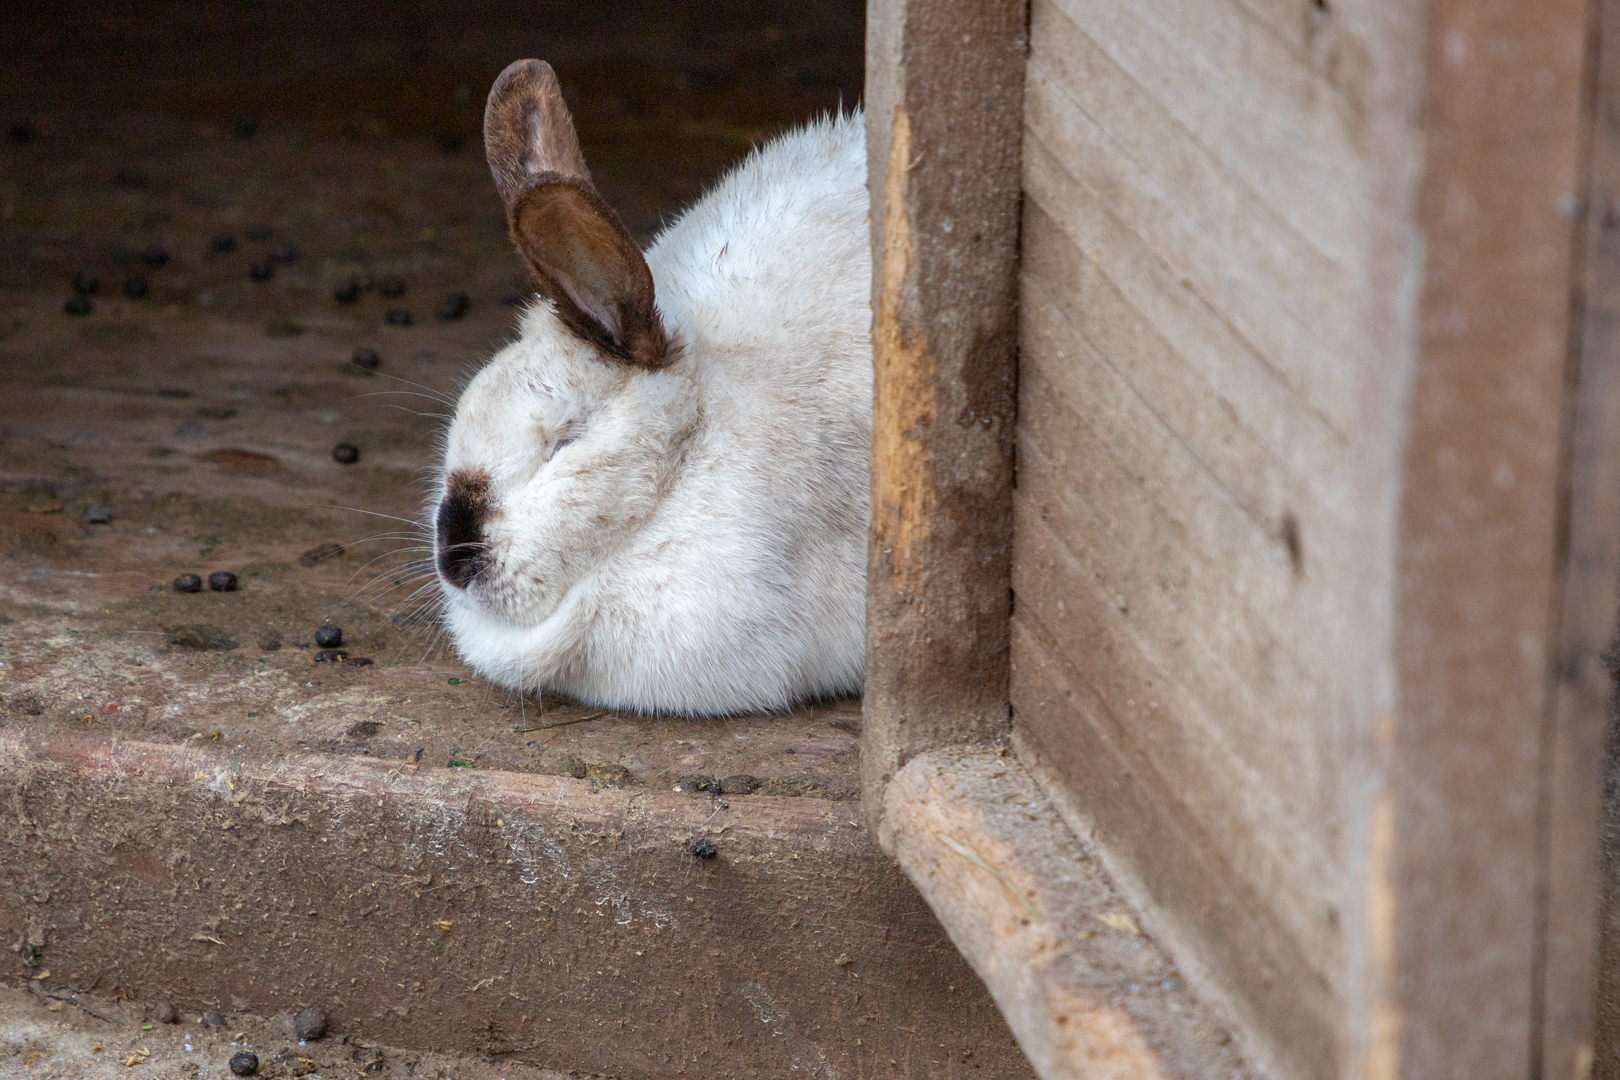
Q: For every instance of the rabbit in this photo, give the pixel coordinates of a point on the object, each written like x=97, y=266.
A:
x=655, y=499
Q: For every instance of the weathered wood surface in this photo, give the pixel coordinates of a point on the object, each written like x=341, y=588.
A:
x=1208, y=424
x=1088, y=995
x=944, y=100
x=1476, y=601
x=1286, y=549
x=537, y=918
x=1586, y=685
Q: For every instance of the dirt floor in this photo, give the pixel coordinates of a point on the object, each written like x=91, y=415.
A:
x=201, y=416
x=50, y=1035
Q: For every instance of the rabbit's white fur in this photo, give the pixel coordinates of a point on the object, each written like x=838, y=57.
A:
x=699, y=543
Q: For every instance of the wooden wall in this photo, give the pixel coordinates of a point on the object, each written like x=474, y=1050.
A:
x=1294, y=297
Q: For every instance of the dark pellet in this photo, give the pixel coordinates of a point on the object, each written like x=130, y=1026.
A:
x=188, y=583
x=24, y=132
x=358, y=661
x=166, y=1013
x=245, y=127
x=222, y=244
x=391, y=287
x=331, y=656
x=702, y=849
x=455, y=306
x=135, y=288
x=257, y=234
x=155, y=255
x=310, y=1023
x=345, y=453
x=740, y=784
x=329, y=636
x=697, y=783
x=222, y=581
x=370, y=359
x=349, y=293
x=262, y=271
x=213, y=1019
x=98, y=514
x=397, y=317
x=286, y=253
x=77, y=305
x=245, y=1064
x=86, y=283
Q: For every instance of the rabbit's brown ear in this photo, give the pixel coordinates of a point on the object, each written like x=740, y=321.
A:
x=581, y=256
x=584, y=261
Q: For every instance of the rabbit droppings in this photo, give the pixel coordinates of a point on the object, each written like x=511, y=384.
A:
x=656, y=498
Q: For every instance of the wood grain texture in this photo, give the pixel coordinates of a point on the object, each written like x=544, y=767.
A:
x=523, y=917
x=1220, y=316
x=1581, y=1029
x=1088, y=996
x=1216, y=234
x=944, y=104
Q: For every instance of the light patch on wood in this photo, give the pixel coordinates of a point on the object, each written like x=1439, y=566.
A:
x=1383, y=1061
x=971, y=856
x=903, y=405
x=1018, y=903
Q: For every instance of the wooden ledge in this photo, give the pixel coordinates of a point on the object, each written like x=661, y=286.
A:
x=537, y=919
x=1087, y=994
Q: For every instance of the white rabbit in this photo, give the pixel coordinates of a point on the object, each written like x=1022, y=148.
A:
x=662, y=506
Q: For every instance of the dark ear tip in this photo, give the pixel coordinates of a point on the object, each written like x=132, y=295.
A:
x=532, y=72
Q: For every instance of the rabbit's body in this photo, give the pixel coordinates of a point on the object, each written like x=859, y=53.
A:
x=687, y=535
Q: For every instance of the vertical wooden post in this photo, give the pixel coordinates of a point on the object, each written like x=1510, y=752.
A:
x=1576, y=1022
x=944, y=95
x=1478, y=629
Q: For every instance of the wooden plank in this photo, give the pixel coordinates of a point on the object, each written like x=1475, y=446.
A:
x=1087, y=994
x=1205, y=406
x=1241, y=418
x=944, y=109
x=1478, y=537
x=1166, y=554
x=1580, y=1024
x=1172, y=268
x=525, y=917
x=1276, y=289
x=1251, y=100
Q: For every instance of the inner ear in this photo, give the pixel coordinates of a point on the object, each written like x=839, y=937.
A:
x=585, y=262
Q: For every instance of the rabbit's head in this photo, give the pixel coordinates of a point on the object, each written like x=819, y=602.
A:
x=560, y=446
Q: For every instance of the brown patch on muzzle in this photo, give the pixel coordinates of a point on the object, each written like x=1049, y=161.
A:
x=459, y=527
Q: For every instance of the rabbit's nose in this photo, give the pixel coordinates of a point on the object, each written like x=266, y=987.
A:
x=459, y=528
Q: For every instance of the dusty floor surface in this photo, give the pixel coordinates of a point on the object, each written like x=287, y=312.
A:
x=322, y=148
x=51, y=1035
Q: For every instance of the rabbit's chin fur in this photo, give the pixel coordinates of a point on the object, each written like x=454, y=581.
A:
x=689, y=538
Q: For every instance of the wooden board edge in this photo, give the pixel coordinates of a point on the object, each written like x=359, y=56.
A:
x=1088, y=994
